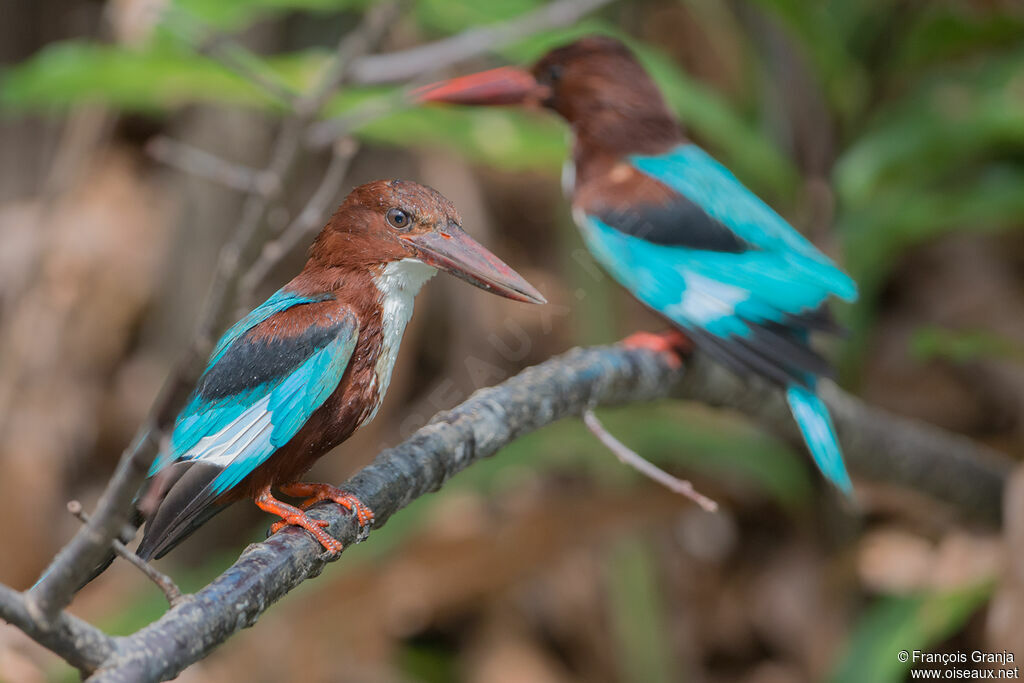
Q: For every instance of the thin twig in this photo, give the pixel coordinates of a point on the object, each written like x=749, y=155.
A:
x=203, y=164
x=309, y=219
x=629, y=457
x=410, y=66
x=229, y=53
x=324, y=133
x=249, y=66
x=402, y=66
x=357, y=42
x=163, y=582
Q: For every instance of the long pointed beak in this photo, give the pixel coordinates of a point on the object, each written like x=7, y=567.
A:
x=454, y=251
x=505, y=85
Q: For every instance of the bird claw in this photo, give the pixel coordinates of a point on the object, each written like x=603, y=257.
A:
x=364, y=532
x=317, y=493
x=329, y=556
x=277, y=526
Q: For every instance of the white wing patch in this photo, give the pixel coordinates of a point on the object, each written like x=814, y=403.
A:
x=705, y=300
x=250, y=429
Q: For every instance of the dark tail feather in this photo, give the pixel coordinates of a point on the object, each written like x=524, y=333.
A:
x=184, y=506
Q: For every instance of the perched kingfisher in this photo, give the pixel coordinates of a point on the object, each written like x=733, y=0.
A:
x=304, y=370
x=677, y=229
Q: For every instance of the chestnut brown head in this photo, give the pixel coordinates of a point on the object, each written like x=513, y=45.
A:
x=391, y=220
x=594, y=83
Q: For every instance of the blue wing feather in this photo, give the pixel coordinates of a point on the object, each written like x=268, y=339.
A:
x=693, y=173
x=240, y=430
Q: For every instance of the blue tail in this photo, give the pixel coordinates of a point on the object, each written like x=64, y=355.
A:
x=815, y=424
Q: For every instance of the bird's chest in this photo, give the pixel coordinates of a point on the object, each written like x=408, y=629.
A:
x=396, y=310
x=397, y=286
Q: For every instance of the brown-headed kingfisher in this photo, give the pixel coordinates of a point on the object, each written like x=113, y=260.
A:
x=309, y=366
x=677, y=229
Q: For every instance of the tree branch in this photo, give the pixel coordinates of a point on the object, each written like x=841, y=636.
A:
x=494, y=417
x=631, y=458
x=203, y=164
x=878, y=445
x=80, y=644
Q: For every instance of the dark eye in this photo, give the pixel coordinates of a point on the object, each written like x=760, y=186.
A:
x=555, y=73
x=399, y=219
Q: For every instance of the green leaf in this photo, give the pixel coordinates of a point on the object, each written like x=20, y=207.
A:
x=904, y=623
x=147, y=79
x=952, y=30
x=961, y=346
x=936, y=130
x=453, y=16
x=237, y=14
x=876, y=235
x=506, y=138
x=636, y=604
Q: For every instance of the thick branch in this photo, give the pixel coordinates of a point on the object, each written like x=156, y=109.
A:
x=81, y=644
x=491, y=418
x=877, y=444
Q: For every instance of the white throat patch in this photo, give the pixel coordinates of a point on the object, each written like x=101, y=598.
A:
x=398, y=283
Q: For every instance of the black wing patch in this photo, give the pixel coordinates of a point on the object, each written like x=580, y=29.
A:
x=677, y=223
x=249, y=362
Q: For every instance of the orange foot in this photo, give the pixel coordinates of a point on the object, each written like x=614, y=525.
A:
x=314, y=493
x=293, y=516
x=673, y=343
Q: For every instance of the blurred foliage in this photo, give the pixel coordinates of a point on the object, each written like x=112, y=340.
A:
x=929, y=128
x=638, y=614
x=961, y=346
x=918, y=622
x=237, y=14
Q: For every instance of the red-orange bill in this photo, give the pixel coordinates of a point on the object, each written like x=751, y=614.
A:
x=505, y=85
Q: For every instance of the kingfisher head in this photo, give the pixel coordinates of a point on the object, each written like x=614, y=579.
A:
x=595, y=83
x=391, y=221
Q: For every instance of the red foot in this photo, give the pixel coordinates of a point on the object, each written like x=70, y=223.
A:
x=314, y=493
x=293, y=516
x=672, y=343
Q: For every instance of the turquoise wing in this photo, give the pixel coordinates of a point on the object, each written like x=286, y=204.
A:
x=259, y=390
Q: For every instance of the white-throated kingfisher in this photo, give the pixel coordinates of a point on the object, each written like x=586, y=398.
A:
x=677, y=229
x=309, y=366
